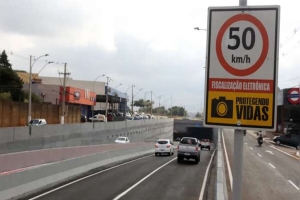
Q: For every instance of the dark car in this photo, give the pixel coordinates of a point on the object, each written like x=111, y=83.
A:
x=288, y=139
x=83, y=119
x=110, y=117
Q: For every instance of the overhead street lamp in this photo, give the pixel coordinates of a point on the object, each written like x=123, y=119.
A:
x=95, y=99
x=42, y=69
x=200, y=29
x=30, y=84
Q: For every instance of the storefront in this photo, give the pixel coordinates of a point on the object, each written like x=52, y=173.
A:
x=117, y=102
x=85, y=98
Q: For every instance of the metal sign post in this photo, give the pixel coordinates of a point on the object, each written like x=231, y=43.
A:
x=238, y=154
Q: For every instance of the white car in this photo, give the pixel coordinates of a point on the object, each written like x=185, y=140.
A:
x=164, y=146
x=98, y=118
x=122, y=140
x=37, y=122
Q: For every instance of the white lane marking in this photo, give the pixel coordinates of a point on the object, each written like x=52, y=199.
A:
x=227, y=162
x=284, y=152
x=140, y=181
x=293, y=184
x=272, y=165
x=205, y=177
x=41, y=195
x=259, y=155
x=251, y=148
x=269, y=152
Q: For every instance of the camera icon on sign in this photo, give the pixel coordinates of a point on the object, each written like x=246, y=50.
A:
x=222, y=108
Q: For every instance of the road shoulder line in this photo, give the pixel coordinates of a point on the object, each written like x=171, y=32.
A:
x=227, y=161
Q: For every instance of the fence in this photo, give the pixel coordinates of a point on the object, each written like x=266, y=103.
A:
x=16, y=113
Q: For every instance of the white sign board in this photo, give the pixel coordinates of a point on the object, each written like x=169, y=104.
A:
x=241, y=71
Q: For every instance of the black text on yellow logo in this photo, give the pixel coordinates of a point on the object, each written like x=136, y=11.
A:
x=247, y=112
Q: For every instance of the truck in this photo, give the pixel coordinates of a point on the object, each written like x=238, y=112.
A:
x=188, y=148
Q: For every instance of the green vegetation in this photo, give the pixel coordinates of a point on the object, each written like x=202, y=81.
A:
x=10, y=82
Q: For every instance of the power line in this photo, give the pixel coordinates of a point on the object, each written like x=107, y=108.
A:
x=290, y=79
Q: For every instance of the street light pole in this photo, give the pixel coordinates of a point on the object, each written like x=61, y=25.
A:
x=132, y=100
x=151, y=104
x=108, y=79
x=96, y=97
x=30, y=84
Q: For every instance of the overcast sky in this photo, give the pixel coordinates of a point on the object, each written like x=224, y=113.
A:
x=149, y=43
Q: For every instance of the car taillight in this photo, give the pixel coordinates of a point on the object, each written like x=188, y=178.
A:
x=197, y=148
x=156, y=146
x=168, y=146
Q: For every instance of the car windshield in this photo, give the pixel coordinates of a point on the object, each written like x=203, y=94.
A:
x=34, y=121
x=162, y=142
x=121, y=139
x=188, y=141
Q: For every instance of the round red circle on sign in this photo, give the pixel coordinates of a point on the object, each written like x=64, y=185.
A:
x=264, y=52
x=293, y=95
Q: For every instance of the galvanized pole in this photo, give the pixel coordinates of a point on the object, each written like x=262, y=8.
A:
x=238, y=154
x=62, y=119
x=151, y=104
x=132, y=100
x=30, y=86
x=106, y=102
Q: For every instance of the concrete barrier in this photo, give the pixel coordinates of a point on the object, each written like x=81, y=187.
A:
x=24, y=183
x=221, y=184
x=17, y=139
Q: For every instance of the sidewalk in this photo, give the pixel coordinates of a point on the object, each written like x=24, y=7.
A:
x=15, y=162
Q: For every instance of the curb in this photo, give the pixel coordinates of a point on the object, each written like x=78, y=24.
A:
x=221, y=184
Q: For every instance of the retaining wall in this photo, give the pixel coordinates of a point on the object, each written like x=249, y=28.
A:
x=17, y=139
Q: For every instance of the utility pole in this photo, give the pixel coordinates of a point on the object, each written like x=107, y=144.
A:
x=106, y=98
x=132, y=100
x=159, y=105
x=171, y=106
x=30, y=85
x=151, y=104
x=62, y=118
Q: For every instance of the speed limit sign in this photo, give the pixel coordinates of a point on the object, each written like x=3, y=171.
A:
x=241, y=70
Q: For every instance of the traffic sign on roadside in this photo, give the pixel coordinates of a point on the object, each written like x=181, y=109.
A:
x=241, y=70
x=293, y=95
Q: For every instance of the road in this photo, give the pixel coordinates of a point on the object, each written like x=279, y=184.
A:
x=131, y=181
x=267, y=173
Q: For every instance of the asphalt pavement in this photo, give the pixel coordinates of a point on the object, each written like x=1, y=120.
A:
x=147, y=178
x=267, y=173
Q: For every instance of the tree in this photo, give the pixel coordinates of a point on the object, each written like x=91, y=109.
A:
x=142, y=103
x=178, y=111
x=34, y=98
x=9, y=80
x=198, y=115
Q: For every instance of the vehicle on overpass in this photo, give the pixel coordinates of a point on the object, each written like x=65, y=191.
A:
x=98, y=118
x=122, y=140
x=37, y=122
x=164, y=146
x=188, y=148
